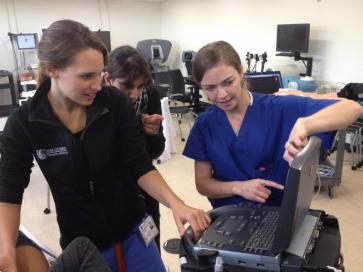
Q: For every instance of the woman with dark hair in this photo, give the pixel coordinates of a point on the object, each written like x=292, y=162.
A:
x=128, y=71
x=239, y=144
x=90, y=147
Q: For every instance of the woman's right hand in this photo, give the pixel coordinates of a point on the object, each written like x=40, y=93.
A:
x=255, y=189
x=8, y=261
x=197, y=219
x=152, y=123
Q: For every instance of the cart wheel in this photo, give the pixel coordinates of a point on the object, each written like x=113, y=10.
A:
x=46, y=211
x=354, y=168
x=331, y=192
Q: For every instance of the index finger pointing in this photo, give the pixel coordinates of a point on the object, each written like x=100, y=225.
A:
x=274, y=184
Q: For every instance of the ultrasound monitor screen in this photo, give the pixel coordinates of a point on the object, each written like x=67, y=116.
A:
x=266, y=82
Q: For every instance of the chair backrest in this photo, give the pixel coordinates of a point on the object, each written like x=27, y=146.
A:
x=171, y=79
x=177, y=82
x=161, y=77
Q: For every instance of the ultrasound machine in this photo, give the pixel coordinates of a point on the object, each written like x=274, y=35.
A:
x=254, y=237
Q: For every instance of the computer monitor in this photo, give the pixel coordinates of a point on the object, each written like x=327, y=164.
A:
x=293, y=38
x=26, y=41
x=264, y=82
x=105, y=37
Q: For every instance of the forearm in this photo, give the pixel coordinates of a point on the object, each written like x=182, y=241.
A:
x=213, y=188
x=10, y=220
x=323, y=96
x=310, y=94
x=336, y=116
x=155, y=185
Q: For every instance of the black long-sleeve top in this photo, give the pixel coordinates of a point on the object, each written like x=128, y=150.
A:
x=94, y=194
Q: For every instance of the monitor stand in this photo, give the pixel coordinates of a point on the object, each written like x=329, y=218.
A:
x=297, y=57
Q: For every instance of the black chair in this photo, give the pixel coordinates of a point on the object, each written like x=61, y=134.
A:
x=171, y=83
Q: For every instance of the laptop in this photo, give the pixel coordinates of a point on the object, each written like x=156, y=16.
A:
x=264, y=82
x=255, y=236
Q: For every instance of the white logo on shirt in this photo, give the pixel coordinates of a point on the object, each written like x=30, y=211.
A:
x=52, y=152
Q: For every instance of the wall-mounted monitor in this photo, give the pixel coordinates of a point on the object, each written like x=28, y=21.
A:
x=26, y=41
x=293, y=38
x=105, y=37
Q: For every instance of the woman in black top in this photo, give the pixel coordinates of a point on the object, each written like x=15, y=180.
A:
x=89, y=145
x=128, y=71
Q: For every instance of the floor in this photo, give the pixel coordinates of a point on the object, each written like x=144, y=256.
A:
x=347, y=206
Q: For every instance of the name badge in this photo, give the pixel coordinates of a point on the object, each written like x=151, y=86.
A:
x=148, y=230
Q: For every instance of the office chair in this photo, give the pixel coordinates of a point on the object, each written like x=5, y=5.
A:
x=171, y=84
x=178, y=92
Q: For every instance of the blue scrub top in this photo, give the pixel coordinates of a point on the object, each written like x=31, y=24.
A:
x=257, y=150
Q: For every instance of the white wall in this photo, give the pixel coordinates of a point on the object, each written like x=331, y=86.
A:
x=336, y=33
x=128, y=21
x=336, y=38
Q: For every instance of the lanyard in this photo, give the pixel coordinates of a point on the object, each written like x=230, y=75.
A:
x=120, y=257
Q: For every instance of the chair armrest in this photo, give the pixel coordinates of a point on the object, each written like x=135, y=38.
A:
x=175, y=95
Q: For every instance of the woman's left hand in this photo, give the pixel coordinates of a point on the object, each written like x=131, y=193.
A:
x=152, y=123
x=198, y=219
x=298, y=139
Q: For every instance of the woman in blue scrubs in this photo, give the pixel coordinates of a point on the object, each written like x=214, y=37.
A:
x=243, y=143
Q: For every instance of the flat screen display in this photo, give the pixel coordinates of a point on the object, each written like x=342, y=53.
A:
x=293, y=38
x=26, y=41
x=105, y=37
x=265, y=82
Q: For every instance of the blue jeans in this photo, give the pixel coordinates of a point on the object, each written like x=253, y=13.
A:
x=138, y=257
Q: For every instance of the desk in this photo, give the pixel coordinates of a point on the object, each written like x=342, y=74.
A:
x=198, y=106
